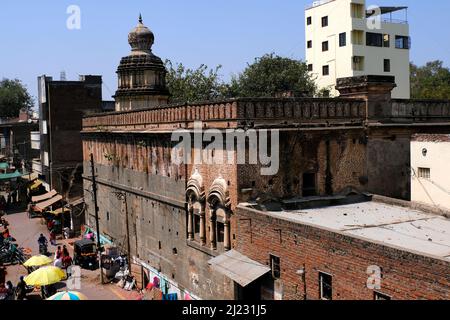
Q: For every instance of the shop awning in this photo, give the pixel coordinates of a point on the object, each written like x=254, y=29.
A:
x=57, y=212
x=10, y=176
x=4, y=165
x=44, y=205
x=44, y=197
x=36, y=185
x=30, y=176
x=238, y=267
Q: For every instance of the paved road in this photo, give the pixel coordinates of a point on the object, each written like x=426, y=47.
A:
x=27, y=232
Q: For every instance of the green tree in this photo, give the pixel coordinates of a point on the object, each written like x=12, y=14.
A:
x=431, y=81
x=272, y=75
x=13, y=97
x=190, y=85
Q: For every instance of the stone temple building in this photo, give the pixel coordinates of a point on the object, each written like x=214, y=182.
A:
x=141, y=75
x=206, y=229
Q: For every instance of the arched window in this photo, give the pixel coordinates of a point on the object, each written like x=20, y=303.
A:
x=219, y=215
x=195, y=195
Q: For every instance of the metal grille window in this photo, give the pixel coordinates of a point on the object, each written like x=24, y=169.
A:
x=387, y=65
x=402, y=42
x=310, y=67
x=275, y=266
x=309, y=21
x=374, y=39
x=424, y=173
x=325, y=21
x=342, y=39
x=309, y=44
x=325, y=70
x=325, y=46
x=326, y=286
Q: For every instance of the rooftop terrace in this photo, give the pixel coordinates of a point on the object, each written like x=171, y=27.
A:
x=395, y=226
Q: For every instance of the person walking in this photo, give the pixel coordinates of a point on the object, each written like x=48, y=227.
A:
x=9, y=291
x=53, y=237
x=21, y=289
x=58, y=257
x=58, y=253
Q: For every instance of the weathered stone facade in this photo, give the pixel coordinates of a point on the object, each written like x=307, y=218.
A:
x=180, y=216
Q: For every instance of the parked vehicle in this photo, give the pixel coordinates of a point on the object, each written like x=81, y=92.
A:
x=85, y=254
x=43, y=249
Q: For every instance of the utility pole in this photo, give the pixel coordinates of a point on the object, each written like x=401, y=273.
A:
x=123, y=196
x=94, y=191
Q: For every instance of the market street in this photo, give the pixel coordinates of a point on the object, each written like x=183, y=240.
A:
x=27, y=231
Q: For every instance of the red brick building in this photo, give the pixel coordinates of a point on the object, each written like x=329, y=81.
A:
x=334, y=252
x=184, y=222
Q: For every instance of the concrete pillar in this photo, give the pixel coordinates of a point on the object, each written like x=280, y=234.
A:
x=202, y=225
x=212, y=229
x=190, y=221
x=375, y=90
x=226, y=231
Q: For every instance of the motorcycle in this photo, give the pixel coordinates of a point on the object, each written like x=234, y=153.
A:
x=43, y=249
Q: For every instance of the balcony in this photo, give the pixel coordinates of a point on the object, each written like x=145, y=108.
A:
x=389, y=14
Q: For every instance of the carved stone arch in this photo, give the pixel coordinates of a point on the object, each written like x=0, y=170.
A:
x=218, y=199
x=218, y=194
x=195, y=195
x=195, y=191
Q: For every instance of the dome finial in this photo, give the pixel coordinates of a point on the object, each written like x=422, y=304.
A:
x=140, y=18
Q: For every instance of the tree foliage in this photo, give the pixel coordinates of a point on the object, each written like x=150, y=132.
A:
x=189, y=85
x=13, y=97
x=272, y=75
x=268, y=76
x=431, y=81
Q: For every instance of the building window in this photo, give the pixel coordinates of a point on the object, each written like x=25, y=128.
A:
x=380, y=296
x=402, y=42
x=374, y=39
x=386, y=41
x=324, y=46
x=325, y=286
x=309, y=21
x=325, y=21
x=220, y=232
x=196, y=227
x=309, y=185
x=309, y=44
x=310, y=67
x=425, y=173
x=357, y=37
x=342, y=39
x=357, y=10
x=107, y=216
x=326, y=70
x=358, y=63
x=387, y=65
x=275, y=266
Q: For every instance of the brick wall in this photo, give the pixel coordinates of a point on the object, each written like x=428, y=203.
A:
x=404, y=275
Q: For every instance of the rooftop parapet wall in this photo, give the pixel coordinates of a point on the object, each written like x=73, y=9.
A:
x=419, y=110
x=263, y=112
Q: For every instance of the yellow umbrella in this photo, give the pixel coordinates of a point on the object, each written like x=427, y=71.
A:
x=38, y=261
x=45, y=276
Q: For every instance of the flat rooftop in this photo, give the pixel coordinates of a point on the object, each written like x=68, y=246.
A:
x=394, y=226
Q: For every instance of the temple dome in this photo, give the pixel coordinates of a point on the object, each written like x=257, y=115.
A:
x=141, y=39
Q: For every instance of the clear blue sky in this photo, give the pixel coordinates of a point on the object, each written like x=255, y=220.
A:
x=34, y=39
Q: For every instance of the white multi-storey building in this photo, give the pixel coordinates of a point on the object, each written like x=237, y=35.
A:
x=430, y=156
x=344, y=38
